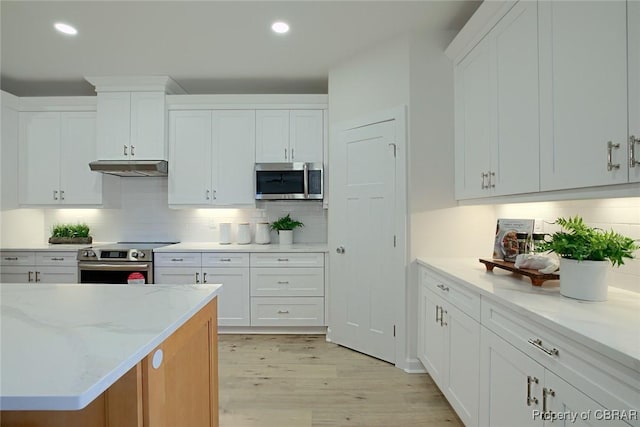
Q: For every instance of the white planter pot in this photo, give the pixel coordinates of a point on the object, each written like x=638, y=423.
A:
x=286, y=237
x=584, y=280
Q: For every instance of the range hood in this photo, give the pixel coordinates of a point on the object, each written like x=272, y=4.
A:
x=131, y=167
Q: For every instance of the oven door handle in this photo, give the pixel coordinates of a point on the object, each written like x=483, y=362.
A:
x=115, y=267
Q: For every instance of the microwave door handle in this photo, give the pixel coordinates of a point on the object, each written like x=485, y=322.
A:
x=306, y=180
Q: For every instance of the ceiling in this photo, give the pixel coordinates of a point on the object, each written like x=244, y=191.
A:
x=205, y=46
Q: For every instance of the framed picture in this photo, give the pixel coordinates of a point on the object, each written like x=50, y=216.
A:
x=505, y=245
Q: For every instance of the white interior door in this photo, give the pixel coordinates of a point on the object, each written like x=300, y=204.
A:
x=363, y=290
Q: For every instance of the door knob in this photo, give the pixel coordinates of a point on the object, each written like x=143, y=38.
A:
x=340, y=249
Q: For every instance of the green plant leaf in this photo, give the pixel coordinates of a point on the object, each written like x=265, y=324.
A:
x=285, y=223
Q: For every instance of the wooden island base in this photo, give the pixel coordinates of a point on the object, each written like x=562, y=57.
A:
x=183, y=390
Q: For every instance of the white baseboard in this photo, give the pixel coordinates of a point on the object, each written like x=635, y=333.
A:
x=273, y=330
x=414, y=366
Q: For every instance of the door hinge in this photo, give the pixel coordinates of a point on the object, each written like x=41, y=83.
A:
x=394, y=330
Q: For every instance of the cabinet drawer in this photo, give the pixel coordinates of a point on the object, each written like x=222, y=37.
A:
x=291, y=311
x=224, y=259
x=56, y=258
x=274, y=281
x=17, y=258
x=463, y=298
x=178, y=259
x=288, y=259
x=606, y=381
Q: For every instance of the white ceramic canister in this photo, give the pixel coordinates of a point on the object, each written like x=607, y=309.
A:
x=225, y=233
x=263, y=233
x=244, y=233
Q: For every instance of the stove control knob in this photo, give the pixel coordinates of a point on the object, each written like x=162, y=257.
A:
x=88, y=254
x=141, y=254
x=134, y=254
x=85, y=253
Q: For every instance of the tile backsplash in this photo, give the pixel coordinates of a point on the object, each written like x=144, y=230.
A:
x=621, y=215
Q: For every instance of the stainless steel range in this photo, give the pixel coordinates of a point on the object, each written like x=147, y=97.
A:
x=116, y=263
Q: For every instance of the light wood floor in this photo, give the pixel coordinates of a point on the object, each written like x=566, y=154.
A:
x=298, y=381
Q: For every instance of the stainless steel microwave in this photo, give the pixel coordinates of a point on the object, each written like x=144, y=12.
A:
x=289, y=181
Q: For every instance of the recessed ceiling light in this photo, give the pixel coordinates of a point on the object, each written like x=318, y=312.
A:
x=65, y=28
x=280, y=27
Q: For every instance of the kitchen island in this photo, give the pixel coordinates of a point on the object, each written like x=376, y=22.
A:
x=108, y=355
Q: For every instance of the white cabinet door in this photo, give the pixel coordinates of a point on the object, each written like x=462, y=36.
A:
x=561, y=398
x=306, y=136
x=516, y=149
x=78, y=184
x=431, y=336
x=190, y=158
x=511, y=384
x=633, y=28
x=233, y=301
x=474, y=112
x=148, y=126
x=39, y=158
x=46, y=274
x=272, y=136
x=462, y=338
x=17, y=274
x=177, y=275
x=583, y=80
x=233, y=151
x=113, y=125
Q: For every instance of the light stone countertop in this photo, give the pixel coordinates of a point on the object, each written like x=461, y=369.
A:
x=62, y=345
x=611, y=327
x=46, y=247
x=234, y=247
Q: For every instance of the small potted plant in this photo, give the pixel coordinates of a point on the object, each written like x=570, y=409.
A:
x=70, y=234
x=285, y=226
x=583, y=252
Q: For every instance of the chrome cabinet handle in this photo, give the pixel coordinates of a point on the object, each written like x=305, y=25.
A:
x=484, y=176
x=283, y=311
x=29, y=278
x=133, y=153
x=55, y=194
x=61, y=194
x=292, y=156
x=204, y=277
x=285, y=154
x=530, y=400
x=632, y=151
x=283, y=259
x=610, y=165
x=546, y=392
x=215, y=197
x=177, y=259
x=443, y=287
x=125, y=150
x=37, y=276
x=11, y=258
x=207, y=195
x=491, y=176
x=305, y=178
x=438, y=314
x=283, y=282
x=197, y=277
x=442, y=313
x=538, y=344
x=225, y=259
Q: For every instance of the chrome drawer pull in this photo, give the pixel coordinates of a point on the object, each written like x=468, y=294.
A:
x=538, y=344
x=204, y=277
x=225, y=259
x=197, y=277
x=177, y=259
x=11, y=258
x=57, y=259
x=283, y=283
x=443, y=287
x=530, y=399
x=610, y=165
x=283, y=311
x=283, y=259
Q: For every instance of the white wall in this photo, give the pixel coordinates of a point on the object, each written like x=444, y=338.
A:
x=144, y=215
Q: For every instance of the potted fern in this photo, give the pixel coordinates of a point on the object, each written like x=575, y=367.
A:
x=285, y=226
x=70, y=234
x=583, y=252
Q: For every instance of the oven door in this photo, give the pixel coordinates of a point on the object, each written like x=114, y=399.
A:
x=97, y=272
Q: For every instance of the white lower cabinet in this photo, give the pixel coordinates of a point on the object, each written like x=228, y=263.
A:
x=287, y=289
x=38, y=267
x=194, y=268
x=448, y=345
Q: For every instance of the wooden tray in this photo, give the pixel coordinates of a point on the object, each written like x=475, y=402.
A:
x=537, y=278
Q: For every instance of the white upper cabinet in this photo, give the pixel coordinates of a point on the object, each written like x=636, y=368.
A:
x=211, y=157
x=633, y=27
x=54, y=155
x=583, y=96
x=289, y=136
x=131, y=126
x=496, y=107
